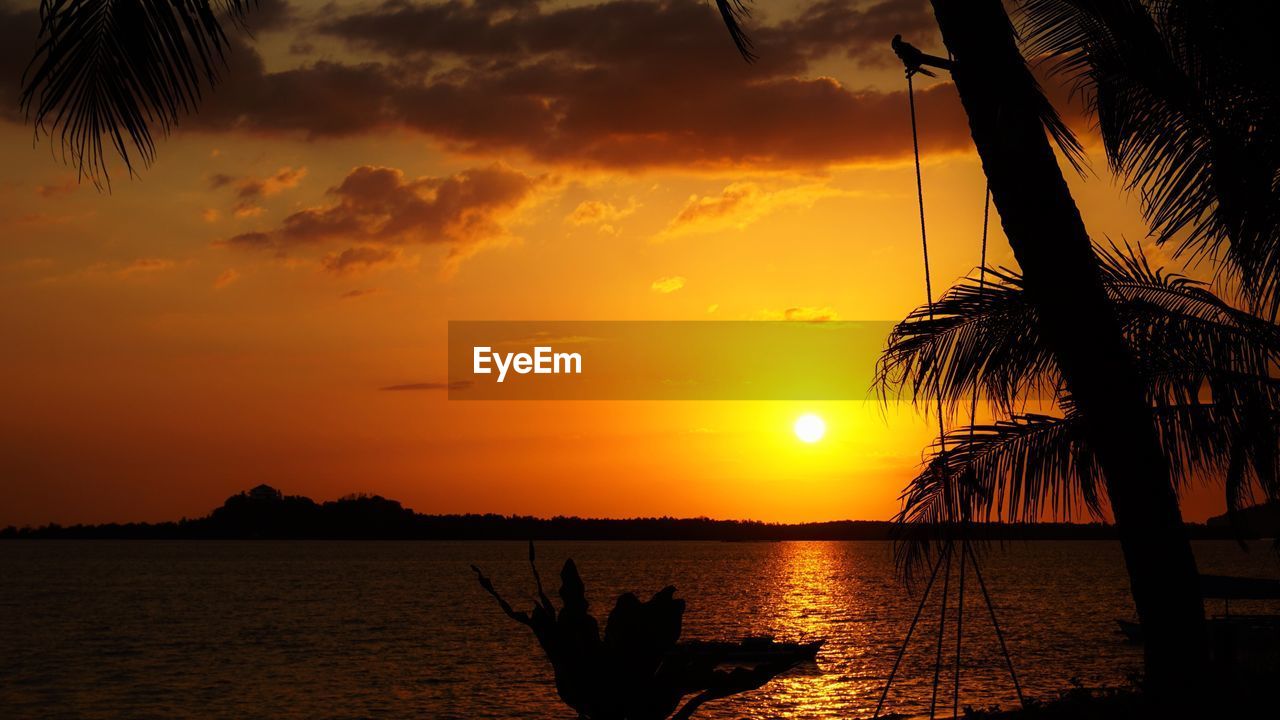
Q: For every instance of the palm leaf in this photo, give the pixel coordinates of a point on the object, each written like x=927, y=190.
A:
x=733, y=12
x=108, y=75
x=982, y=336
x=1035, y=466
x=1186, y=116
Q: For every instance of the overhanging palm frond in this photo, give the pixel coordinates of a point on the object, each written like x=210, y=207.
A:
x=1036, y=466
x=1183, y=336
x=980, y=337
x=734, y=12
x=1016, y=470
x=109, y=74
x=1186, y=117
x=984, y=337
x=1011, y=470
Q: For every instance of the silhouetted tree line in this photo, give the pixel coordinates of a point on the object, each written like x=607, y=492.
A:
x=266, y=513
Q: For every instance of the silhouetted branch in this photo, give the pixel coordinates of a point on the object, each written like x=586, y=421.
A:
x=485, y=583
x=639, y=670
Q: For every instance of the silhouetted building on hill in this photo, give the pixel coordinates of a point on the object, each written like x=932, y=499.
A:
x=264, y=493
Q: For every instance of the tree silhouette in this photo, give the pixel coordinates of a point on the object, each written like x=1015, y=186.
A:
x=639, y=670
x=1188, y=115
x=1206, y=367
x=108, y=75
x=1076, y=320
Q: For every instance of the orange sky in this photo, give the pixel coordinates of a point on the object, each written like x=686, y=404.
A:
x=229, y=317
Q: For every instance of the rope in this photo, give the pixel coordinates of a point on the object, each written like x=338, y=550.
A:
x=955, y=697
x=924, y=598
x=942, y=624
x=982, y=286
x=973, y=415
x=924, y=244
x=999, y=635
x=966, y=553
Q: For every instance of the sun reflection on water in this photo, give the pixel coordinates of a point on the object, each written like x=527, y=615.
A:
x=815, y=597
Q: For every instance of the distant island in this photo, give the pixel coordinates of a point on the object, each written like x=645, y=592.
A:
x=266, y=513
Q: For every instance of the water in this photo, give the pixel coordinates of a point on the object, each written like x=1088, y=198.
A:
x=343, y=630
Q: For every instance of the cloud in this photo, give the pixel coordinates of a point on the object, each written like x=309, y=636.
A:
x=858, y=30
x=667, y=285
x=143, y=265
x=593, y=212
x=453, y=385
x=627, y=84
x=220, y=180
x=18, y=31
x=359, y=259
x=271, y=15
x=801, y=314
x=486, y=29
x=249, y=189
x=116, y=270
x=622, y=85
x=225, y=278
x=376, y=207
x=52, y=190
x=360, y=292
x=741, y=204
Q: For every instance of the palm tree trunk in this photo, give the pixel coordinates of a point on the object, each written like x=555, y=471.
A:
x=1048, y=237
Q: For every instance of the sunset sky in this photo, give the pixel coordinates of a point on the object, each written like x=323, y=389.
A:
x=233, y=315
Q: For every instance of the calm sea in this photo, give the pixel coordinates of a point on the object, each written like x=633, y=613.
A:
x=400, y=630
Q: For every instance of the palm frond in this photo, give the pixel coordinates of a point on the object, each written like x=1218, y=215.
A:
x=1031, y=467
x=108, y=75
x=1186, y=116
x=983, y=337
x=1010, y=470
x=734, y=12
x=989, y=29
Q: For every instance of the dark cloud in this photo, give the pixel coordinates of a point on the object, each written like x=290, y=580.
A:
x=859, y=32
x=359, y=293
x=271, y=15
x=610, y=31
x=378, y=207
x=252, y=188
x=220, y=180
x=628, y=84
x=249, y=189
x=358, y=259
x=18, y=30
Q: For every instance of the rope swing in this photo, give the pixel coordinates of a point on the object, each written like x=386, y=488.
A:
x=915, y=61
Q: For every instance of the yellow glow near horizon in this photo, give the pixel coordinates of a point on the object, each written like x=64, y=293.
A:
x=810, y=428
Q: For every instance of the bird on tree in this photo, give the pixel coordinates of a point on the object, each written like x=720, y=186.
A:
x=915, y=59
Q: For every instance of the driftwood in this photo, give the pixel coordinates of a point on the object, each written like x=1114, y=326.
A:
x=639, y=670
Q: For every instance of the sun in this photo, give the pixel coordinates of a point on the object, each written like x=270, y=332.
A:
x=810, y=428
